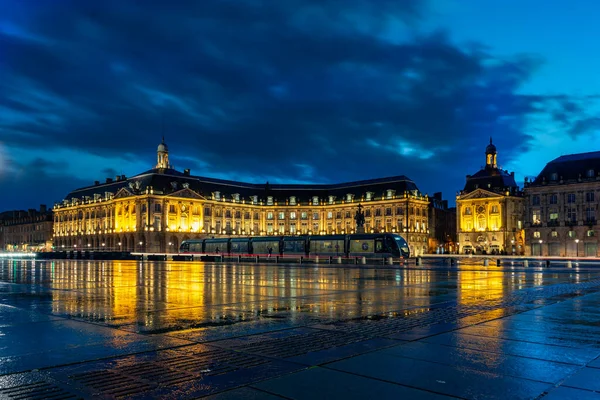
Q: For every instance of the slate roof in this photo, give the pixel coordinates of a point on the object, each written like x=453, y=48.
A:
x=162, y=180
x=492, y=179
x=569, y=168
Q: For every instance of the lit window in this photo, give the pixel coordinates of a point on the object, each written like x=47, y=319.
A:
x=329, y=215
x=293, y=215
x=293, y=200
x=590, y=233
x=217, y=195
x=315, y=200
x=316, y=215
x=554, y=234
x=331, y=199
x=269, y=215
x=572, y=234
x=536, y=234
x=269, y=200
x=281, y=215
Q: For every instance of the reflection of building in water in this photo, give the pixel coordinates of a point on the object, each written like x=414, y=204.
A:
x=489, y=211
x=29, y=230
x=562, y=207
x=177, y=296
x=157, y=209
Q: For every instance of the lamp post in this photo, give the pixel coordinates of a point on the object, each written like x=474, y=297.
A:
x=541, y=241
x=576, y=247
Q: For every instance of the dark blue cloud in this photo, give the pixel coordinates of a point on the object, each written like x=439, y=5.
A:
x=281, y=90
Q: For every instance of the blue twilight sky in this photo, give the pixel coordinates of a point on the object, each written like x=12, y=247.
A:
x=291, y=91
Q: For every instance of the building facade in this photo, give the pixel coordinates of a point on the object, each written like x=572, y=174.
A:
x=155, y=210
x=26, y=231
x=562, y=207
x=490, y=211
x=442, y=225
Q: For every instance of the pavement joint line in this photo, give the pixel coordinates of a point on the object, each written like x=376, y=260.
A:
x=392, y=382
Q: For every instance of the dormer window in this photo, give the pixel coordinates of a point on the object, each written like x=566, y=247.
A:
x=390, y=193
x=331, y=199
x=315, y=200
x=236, y=197
x=590, y=173
x=269, y=200
x=554, y=176
x=293, y=200
x=254, y=199
x=369, y=195
x=349, y=197
x=217, y=195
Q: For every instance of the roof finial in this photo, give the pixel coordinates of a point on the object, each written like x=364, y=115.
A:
x=490, y=140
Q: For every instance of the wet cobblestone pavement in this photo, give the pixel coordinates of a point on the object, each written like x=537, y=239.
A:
x=127, y=329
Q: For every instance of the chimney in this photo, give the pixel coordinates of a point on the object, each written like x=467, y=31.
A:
x=109, y=180
x=123, y=177
x=186, y=171
x=96, y=183
x=117, y=178
x=43, y=208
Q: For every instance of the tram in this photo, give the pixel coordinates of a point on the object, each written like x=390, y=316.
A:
x=368, y=245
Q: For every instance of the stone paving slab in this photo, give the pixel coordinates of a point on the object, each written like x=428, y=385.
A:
x=567, y=355
x=449, y=380
x=485, y=361
x=321, y=383
x=565, y=393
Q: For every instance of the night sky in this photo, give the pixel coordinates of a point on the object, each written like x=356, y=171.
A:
x=291, y=91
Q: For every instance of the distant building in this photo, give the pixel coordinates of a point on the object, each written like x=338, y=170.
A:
x=442, y=225
x=157, y=209
x=29, y=230
x=562, y=207
x=490, y=211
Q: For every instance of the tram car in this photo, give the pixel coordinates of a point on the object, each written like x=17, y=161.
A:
x=369, y=245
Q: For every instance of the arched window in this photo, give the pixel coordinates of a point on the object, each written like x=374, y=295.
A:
x=481, y=222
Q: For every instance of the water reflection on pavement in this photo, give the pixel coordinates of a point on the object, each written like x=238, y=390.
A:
x=81, y=317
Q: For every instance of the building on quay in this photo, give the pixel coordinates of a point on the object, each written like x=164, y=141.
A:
x=442, y=225
x=562, y=207
x=489, y=211
x=155, y=210
x=26, y=231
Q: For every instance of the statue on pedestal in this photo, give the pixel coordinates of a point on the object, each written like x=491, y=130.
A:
x=360, y=219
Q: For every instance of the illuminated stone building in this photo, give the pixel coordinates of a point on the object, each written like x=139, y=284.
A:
x=490, y=211
x=562, y=207
x=29, y=230
x=157, y=209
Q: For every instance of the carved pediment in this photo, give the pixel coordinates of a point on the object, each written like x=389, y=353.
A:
x=123, y=192
x=479, y=194
x=187, y=193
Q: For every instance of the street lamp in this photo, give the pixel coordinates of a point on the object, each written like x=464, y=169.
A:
x=541, y=241
x=577, y=247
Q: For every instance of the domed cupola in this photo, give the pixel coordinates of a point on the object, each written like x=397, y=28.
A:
x=162, y=155
x=490, y=155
